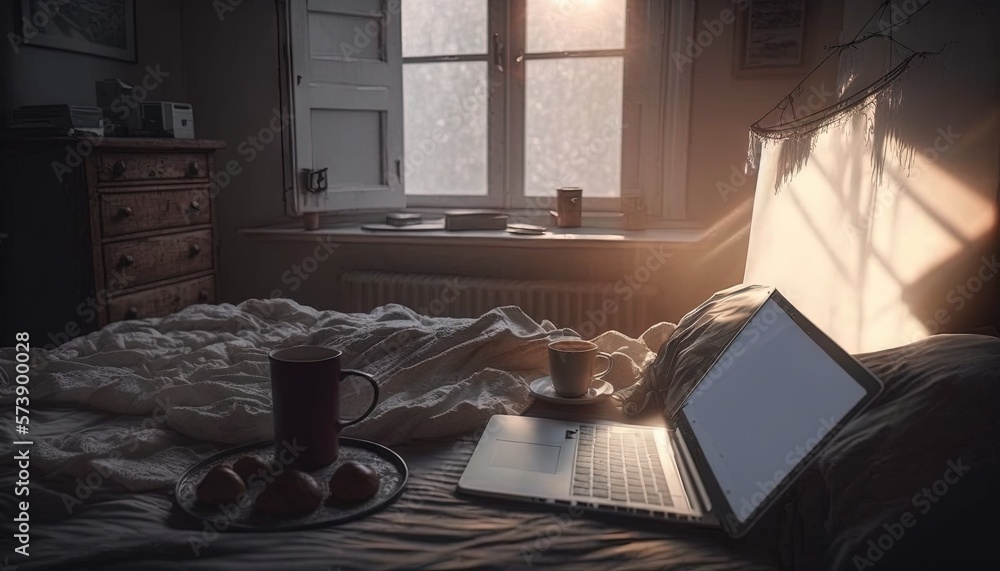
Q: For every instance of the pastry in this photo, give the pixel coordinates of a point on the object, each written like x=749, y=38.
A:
x=353, y=482
x=247, y=466
x=220, y=486
x=291, y=492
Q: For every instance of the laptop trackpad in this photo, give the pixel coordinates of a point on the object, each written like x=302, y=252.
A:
x=526, y=456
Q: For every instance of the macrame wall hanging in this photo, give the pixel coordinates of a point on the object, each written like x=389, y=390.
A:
x=880, y=101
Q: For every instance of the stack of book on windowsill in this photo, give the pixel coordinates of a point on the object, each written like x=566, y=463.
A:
x=474, y=220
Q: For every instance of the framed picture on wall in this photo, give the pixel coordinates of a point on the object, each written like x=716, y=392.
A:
x=104, y=28
x=770, y=38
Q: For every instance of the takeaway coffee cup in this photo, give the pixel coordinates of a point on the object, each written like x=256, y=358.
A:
x=571, y=366
x=305, y=388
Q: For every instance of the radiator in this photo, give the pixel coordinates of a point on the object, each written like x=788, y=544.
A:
x=588, y=308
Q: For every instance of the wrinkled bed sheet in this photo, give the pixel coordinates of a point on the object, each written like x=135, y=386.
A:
x=429, y=527
x=197, y=381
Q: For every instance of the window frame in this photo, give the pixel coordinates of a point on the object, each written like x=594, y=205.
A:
x=657, y=98
x=507, y=20
x=496, y=84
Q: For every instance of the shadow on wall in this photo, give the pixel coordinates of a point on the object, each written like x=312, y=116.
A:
x=879, y=257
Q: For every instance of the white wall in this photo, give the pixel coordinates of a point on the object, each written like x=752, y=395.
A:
x=39, y=76
x=881, y=265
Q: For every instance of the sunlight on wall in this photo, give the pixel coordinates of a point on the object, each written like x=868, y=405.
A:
x=850, y=255
x=882, y=265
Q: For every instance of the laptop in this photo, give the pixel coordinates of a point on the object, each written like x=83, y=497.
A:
x=773, y=397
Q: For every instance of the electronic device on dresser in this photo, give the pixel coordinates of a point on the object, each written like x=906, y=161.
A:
x=175, y=119
x=777, y=393
x=124, y=229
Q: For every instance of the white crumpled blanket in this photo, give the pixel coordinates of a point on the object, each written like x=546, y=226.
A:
x=196, y=382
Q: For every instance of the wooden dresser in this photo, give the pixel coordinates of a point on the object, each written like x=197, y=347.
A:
x=101, y=231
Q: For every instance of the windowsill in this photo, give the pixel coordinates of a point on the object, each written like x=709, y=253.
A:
x=678, y=236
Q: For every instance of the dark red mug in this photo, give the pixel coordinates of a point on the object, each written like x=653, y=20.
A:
x=305, y=392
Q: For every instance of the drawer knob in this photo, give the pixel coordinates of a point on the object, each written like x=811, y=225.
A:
x=125, y=211
x=195, y=249
x=132, y=312
x=195, y=205
x=193, y=169
x=127, y=260
x=203, y=295
x=118, y=169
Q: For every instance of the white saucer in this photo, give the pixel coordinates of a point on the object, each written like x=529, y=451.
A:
x=542, y=388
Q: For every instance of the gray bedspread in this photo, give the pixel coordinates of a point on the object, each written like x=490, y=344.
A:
x=429, y=527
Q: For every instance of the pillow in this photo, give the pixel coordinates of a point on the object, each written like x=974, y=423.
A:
x=921, y=463
x=692, y=348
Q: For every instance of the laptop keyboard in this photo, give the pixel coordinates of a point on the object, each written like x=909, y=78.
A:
x=621, y=465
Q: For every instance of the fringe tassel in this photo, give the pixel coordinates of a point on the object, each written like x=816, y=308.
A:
x=881, y=106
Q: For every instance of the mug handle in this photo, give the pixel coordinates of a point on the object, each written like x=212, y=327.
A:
x=344, y=373
x=611, y=363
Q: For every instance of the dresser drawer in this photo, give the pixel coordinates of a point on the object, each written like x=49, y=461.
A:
x=162, y=300
x=128, y=212
x=145, y=167
x=157, y=258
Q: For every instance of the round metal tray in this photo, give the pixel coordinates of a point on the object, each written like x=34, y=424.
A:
x=390, y=467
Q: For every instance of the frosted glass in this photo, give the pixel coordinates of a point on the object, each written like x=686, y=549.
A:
x=445, y=108
x=567, y=25
x=444, y=27
x=573, y=125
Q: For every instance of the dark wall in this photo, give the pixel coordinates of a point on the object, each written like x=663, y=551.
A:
x=37, y=75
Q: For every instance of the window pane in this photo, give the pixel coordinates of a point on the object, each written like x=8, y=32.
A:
x=567, y=25
x=573, y=125
x=444, y=128
x=443, y=27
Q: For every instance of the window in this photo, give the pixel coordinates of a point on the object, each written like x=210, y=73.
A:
x=486, y=103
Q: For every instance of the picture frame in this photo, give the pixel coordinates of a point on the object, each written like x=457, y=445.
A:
x=102, y=28
x=769, y=39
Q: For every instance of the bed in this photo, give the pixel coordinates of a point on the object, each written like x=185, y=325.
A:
x=117, y=415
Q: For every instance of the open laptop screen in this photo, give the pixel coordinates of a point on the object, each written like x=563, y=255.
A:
x=765, y=403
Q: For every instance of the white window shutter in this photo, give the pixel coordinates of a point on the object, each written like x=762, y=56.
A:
x=347, y=82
